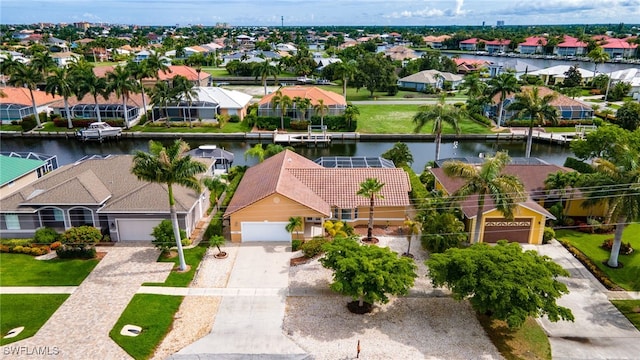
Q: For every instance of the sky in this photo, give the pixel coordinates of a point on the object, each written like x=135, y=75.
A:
x=321, y=12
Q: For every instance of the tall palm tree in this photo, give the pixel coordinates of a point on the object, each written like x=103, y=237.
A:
x=161, y=95
x=89, y=83
x=120, y=81
x=321, y=109
x=27, y=76
x=155, y=63
x=350, y=114
x=487, y=180
x=187, y=92
x=43, y=62
x=616, y=184
x=60, y=83
x=529, y=104
x=169, y=166
x=283, y=102
x=439, y=113
x=598, y=56
x=503, y=84
x=346, y=71
x=370, y=188
x=8, y=65
x=264, y=70
x=294, y=225
x=140, y=71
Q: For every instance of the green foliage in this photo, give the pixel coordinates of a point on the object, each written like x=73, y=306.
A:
x=625, y=248
x=573, y=78
x=399, y=154
x=502, y=281
x=164, y=239
x=628, y=116
x=27, y=249
x=76, y=251
x=217, y=241
x=442, y=231
x=45, y=235
x=28, y=123
x=313, y=247
x=296, y=244
x=418, y=189
x=580, y=166
x=548, y=234
x=214, y=227
x=367, y=273
x=81, y=235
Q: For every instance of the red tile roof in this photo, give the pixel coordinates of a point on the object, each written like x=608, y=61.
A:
x=469, y=41
x=310, y=92
x=615, y=43
x=498, y=42
x=570, y=41
x=21, y=96
x=534, y=41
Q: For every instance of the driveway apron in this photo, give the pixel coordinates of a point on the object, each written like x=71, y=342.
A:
x=80, y=328
x=600, y=331
x=248, y=323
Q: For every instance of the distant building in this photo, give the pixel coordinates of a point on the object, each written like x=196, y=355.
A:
x=500, y=23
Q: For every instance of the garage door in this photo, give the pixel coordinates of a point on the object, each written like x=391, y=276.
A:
x=265, y=231
x=501, y=229
x=137, y=230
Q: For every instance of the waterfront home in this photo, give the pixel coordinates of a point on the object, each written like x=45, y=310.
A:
x=288, y=185
x=466, y=66
x=17, y=104
x=568, y=108
x=618, y=48
x=16, y=172
x=532, y=45
x=436, y=42
x=570, y=46
x=429, y=80
x=110, y=107
x=62, y=59
x=207, y=104
x=556, y=74
x=335, y=103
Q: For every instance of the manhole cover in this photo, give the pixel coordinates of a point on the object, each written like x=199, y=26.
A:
x=130, y=330
x=14, y=332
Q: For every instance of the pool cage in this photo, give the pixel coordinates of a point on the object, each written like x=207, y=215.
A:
x=107, y=111
x=10, y=112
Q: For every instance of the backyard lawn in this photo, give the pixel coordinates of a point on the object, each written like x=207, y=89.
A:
x=398, y=119
x=228, y=128
x=182, y=279
x=363, y=94
x=527, y=342
x=630, y=309
x=25, y=270
x=626, y=277
x=154, y=314
x=30, y=311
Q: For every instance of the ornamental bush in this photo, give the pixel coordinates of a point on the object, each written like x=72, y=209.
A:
x=313, y=247
x=163, y=236
x=45, y=235
x=548, y=235
x=76, y=251
x=81, y=235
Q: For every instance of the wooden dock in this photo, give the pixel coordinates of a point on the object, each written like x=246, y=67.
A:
x=309, y=139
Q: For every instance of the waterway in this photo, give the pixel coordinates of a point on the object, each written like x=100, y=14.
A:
x=70, y=150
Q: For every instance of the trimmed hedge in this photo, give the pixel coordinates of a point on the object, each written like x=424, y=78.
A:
x=562, y=123
x=26, y=249
x=418, y=190
x=82, y=123
x=481, y=119
x=76, y=252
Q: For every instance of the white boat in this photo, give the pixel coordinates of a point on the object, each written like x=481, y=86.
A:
x=99, y=131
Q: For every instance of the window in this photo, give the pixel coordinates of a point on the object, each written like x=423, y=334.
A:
x=345, y=214
x=12, y=221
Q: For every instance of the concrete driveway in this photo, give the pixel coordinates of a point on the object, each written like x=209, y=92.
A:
x=248, y=324
x=600, y=331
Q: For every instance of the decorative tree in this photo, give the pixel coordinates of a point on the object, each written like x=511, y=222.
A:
x=503, y=84
x=368, y=274
x=529, y=104
x=502, y=281
x=412, y=228
x=294, y=225
x=217, y=241
x=59, y=83
x=321, y=109
x=283, y=102
x=399, y=154
x=370, y=188
x=439, y=114
x=27, y=76
x=164, y=236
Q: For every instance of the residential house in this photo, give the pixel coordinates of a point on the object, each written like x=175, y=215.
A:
x=62, y=59
x=532, y=45
x=568, y=108
x=619, y=48
x=17, y=104
x=335, y=103
x=436, y=42
x=518, y=67
x=469, y=44
x=556, y=74
x=530, y=216
x=56, y=44
x=497, y=46
x=207, y=104
x=288, y=185
x=99, y=192
x=400, y=53
x=110, y=108
x=429, y=80
x=466, y=66
x=16, y=172
x=570, y=46
x=630, y=76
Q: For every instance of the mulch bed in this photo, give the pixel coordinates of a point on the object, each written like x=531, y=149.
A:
x=299, y=260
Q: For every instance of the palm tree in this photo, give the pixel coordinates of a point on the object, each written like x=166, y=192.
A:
x=89, y=83
x=302, y=105
x=474, y=85
x=505, y=190
x=216, y=187
x=120, y=81
x=598, y=56
x=350, y=114
x=502, y=84
x=140, y=71
x=256, y=151
x=169, y=165
x=345, y=71
x=538, y=109
x=560, y=181
x=59, y=83
x=413, y=228
x=439, y=114
x=186, y=91
x=321, y=109
x=155, y=64
x=161, y=95
x=283, y=102
x=617, y=184
x=27, y=76
x=43, y=62
x=370, y=188
x=294, y=225
x=264, y=70
x=8, y=65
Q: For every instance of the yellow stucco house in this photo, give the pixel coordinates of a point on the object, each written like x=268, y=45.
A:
x=530, y=216
x=289, y=185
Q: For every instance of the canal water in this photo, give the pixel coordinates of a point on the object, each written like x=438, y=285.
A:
x=70, y=150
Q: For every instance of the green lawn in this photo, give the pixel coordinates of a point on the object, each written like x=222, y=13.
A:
x=49, y=126
x=25, y=270
x=630, y=309
x=215, y=71
x=527, y=342
x=363, y=94
x=104, y=63
x=30, y=311
x=9, y=127
x=398, y=119
x=154, y=314
x=240, y=127
x=182, y=279
x=627, y=276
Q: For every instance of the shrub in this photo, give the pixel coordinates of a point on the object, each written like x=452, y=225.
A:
x=25, y=249
x=55, y=245
x=45, y=235
x=481, y=119
x=295, y=244
x=16, y=242
x=74, y=251
x=418, y=189
x=548, y=235
x=578, y=165
x=81, y=235
x=313, y=247
x=625, y=249
x=163, y=235
x=28, y=123
x=234, y=119
x=299, y=124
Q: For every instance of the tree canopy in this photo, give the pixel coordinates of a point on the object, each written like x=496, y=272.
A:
x=399, y=154
x=502, y=281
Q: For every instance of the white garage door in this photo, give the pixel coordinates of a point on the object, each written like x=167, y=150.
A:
x=137, y=230
x=265, y=231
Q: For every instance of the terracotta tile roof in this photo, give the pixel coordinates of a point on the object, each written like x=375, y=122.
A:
x=469, y=41
x=471, y=62
x=570, y=41
x=133, y=100
x=497, y=42
x=534, y=41
x=532, y=177
x=21, y=96
x=95, y=181
x=316, y=187
x=190, y=73
x=309, y=92
x=615, y=43
x=436, y=39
